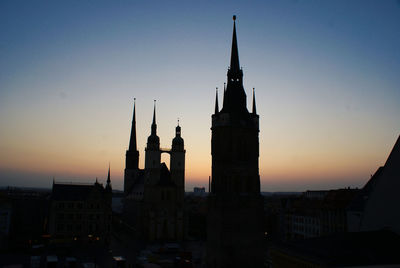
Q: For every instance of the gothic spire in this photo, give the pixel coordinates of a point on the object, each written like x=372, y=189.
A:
x=216, y=101
x=108, y=176
x=108, y=185
x=254, y=101
x=234, y=95
x=235, y=67
x=132, y=142
x=154, y=125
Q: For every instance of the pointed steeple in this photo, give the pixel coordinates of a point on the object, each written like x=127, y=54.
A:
x=108, y=185
x=216, y=101
x=223, y=96
x=108, y=176
x=254, y=101
x=132, y=142
x=154, y=125
x=132, y=154
x=234, y=96
x=235, y=67
x=153, y=141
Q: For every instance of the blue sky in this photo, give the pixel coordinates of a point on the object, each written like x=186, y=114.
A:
x=325, y=73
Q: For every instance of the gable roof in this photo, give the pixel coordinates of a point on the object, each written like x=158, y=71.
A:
x=74, y=192
x=381, y=209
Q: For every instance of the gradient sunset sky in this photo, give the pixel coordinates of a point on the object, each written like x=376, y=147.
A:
x=326, y=73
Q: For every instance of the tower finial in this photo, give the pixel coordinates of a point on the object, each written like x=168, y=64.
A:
x=178, y=121
x=254, y=101
x=234, y=17
x=216, y=101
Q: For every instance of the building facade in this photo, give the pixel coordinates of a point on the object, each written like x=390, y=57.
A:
x=81, y=212
x=235, y=206
x=154, y=195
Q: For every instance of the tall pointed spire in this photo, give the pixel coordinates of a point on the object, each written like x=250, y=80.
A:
x=216, y=101
x=154, y=113
x=234, y=53
x=234, y=96
x=132, y=142
x=108, y=176
x=108, y=185
x=154, y=125
x=254, y=101
x=132, y=154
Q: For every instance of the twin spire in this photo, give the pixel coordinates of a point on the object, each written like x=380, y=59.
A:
x=132, y=142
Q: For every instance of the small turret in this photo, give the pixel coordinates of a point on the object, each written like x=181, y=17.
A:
x=177, y=162
x=177, y=142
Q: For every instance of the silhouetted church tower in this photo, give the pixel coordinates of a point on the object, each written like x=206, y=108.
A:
x=132, y=156
x=235, y=230
x=153, y=153
x=154, y=196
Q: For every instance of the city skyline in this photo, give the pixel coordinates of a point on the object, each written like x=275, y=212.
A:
x=325, y=76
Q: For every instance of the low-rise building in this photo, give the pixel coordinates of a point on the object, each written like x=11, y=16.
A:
x=80, y=212
x=316, y=215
